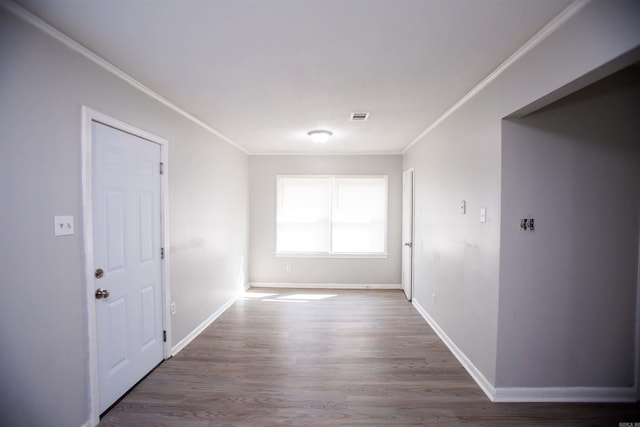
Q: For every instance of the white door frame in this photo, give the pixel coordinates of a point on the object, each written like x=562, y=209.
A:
x=413, y=225
x=88, y=117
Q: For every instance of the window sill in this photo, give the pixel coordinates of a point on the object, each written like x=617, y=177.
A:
x=329, y=255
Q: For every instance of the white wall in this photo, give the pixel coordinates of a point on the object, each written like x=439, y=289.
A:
x=457, y=257
x=568, y=290
x=43, y=313
x=266, y=267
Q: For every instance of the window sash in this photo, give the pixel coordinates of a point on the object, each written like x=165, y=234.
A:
x=332, y=215
x=303, y=217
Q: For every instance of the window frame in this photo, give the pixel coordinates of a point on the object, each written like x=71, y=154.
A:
x=330, y=254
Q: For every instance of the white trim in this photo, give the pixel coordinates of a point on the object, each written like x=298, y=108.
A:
x=565, y=394
x=330, y=255
x=529, y=394
x=325, y=285
x=77, y=47
x=166, y=274
x=545, y=32
x=87, y=214
x=88, y=116
x=198, y=330
x=475, y=373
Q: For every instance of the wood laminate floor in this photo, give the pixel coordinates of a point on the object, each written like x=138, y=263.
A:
x=329, y=357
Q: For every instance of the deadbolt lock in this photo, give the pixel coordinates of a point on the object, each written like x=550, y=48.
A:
x=99, y=273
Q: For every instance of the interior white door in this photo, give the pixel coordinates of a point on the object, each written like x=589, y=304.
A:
x=407, y=233
x=127, y=258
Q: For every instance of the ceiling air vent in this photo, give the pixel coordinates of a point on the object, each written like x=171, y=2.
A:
x=359, y=117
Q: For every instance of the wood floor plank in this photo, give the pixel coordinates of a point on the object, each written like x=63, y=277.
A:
x=329, y=358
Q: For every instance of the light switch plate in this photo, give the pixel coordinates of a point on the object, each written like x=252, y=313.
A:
x=463, y=207
x=63, y=225
x=483, y=214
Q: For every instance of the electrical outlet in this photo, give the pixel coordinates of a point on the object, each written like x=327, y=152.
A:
x=173, y=308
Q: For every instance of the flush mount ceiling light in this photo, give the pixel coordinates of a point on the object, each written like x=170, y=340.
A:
x=320, y=136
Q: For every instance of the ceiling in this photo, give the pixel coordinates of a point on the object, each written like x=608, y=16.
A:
x=264, y=72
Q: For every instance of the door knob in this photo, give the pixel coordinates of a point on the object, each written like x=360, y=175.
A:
x=99, y=273
x=102, y=293
x=409, y=244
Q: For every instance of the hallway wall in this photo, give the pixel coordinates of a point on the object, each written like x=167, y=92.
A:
x=458, y=258
x=43, y=308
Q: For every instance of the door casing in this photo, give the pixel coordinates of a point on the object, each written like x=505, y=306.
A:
x=88, y=117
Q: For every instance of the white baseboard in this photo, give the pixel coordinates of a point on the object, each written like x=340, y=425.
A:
x=475, y=373
x=186, y=340
x=530, y=394
x=565, y=394
x=326, y=285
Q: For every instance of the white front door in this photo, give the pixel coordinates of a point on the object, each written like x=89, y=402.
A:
x=127, y=258
x=407, y=233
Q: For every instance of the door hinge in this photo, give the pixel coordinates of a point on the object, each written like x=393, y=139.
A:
x=161, y=168
x=164, y=336
x=161, y=253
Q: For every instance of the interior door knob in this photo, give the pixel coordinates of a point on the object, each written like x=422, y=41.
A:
x=409, y=244
x=102, y=293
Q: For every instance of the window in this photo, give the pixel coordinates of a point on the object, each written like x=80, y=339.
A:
x=331, y=215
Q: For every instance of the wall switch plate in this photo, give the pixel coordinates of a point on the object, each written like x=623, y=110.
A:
x=483, y=214
x=288, y=268
x=463, y=207
x=63, y=225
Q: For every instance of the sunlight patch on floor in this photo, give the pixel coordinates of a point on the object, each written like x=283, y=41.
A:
x=308, y=296
x=256, y=295
x=276, y=297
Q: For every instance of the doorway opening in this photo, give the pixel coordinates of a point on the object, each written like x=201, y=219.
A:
x=407, y=232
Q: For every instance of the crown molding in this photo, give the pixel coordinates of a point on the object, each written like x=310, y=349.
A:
x=43, y=26
x=545, y=32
